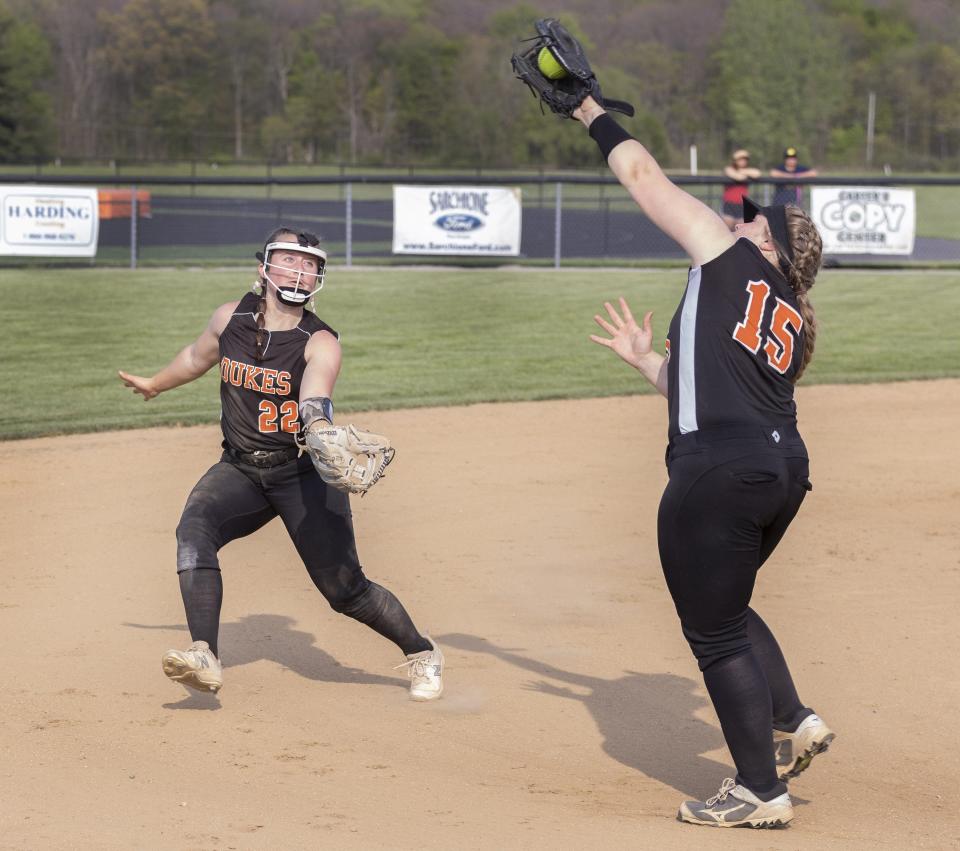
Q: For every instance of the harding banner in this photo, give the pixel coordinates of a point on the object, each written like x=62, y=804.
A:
x=467, y=220
x=864, y=219
x=48, y=221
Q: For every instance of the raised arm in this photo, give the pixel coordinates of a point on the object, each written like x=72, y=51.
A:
x=190, y=362
x=697, y=228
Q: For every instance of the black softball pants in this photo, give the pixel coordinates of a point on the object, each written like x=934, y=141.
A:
x=234, y=499
x=729, y=500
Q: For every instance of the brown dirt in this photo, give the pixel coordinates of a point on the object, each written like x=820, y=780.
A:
x=523, y=536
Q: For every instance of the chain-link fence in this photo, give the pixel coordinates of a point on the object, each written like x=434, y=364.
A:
x=565, y=218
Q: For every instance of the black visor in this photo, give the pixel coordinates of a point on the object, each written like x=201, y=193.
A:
x=776, y=216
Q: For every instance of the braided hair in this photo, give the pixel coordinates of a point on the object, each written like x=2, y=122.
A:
x=801, y=273
x=301, y=238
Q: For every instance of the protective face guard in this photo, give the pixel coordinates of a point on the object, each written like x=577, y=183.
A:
x=294, y=296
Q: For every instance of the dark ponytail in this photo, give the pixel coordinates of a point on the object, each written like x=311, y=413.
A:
x=801, y=273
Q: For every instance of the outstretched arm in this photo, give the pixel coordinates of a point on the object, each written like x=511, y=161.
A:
x=189, y=363
x=697, y=228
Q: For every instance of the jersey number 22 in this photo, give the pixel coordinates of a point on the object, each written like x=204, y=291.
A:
x=288, y=415
x=785, y=325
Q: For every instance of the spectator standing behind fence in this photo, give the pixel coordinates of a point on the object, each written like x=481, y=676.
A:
x=740, y=172
x=790, y=193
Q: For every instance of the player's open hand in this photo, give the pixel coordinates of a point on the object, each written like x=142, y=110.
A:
x=143, y=386
x=630, y=341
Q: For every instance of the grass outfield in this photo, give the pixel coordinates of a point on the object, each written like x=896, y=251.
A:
x=417, y=337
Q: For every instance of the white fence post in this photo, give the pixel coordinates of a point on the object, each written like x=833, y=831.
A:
x=557, y=223
x=349, y=223
x=133, y=227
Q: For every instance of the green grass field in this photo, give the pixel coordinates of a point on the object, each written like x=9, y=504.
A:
x=417, y=337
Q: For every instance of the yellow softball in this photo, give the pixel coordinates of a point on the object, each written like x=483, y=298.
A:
x=548, y=65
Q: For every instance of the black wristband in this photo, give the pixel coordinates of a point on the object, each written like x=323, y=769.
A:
x=607, y=133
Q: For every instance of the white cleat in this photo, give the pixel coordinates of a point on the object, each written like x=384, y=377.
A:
x=795, y=751
x=737, y=806
x=425, y=670
x=195, y=667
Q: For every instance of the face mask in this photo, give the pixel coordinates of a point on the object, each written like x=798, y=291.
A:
x=295, y=295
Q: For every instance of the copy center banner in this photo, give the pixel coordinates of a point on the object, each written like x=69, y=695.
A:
x=864, y=219
x=48, y=221
x=466, y=220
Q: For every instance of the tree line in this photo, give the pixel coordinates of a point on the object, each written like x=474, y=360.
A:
x=428, y=82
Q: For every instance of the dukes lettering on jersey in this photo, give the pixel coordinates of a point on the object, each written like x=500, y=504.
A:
x=250, y=377
x=259, y=400
x=735, y=345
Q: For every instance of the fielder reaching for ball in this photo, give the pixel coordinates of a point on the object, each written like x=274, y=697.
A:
x=738, y=468
x=278, y=366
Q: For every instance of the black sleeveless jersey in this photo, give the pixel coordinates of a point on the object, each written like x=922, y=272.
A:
x=735, y=344
x=259, y=400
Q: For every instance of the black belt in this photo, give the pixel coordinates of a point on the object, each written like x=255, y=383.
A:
x=264, y=458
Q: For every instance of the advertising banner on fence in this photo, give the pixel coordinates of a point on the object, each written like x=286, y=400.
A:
x=466, y=220
x=48, y=221
x=864, y=219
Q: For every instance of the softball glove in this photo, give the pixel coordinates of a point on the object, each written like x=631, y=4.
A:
x=561, y=96
x=347, y=457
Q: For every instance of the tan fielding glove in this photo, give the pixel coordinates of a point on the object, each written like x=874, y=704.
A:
x=347, y=457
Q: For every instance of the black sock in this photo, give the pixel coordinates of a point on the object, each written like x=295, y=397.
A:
x=202, y=592
x=384, y=613
x=741, y=697
x=788, y=711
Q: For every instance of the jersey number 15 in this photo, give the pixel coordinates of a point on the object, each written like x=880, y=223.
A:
x=785, y=325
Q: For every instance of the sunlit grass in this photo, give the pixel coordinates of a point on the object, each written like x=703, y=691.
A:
x=416, y=337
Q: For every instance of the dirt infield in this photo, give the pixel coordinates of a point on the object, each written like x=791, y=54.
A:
x=523, y=537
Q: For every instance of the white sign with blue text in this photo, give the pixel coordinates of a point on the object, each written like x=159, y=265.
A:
x=864, y=219
x=48, y=221
x=465, y=220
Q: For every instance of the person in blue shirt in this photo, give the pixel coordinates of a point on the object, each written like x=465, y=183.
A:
x=790, y=168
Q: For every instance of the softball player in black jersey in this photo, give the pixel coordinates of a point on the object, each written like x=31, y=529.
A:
x=278, y=366
x=738, y=468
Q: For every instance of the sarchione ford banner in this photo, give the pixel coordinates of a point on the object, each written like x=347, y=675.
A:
x=864, y=219
x=467, y=220
x=48, y=221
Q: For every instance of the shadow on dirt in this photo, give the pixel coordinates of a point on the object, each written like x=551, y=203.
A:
x=647, y=720
x=273, y=638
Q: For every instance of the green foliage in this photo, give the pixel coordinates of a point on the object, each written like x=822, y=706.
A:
x=514, y=23
x=781, y=76
x=440, y=338
x=162, y=50
x=846, y=146
x=428, y=83
x=307, y=108
x=26, y=111
x=646, y=125
x=431, y=122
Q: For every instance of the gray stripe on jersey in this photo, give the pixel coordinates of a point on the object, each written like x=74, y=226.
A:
x=686, y=367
